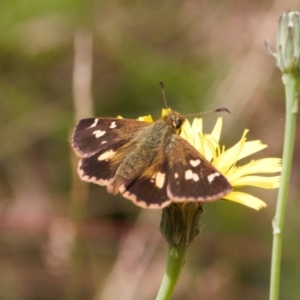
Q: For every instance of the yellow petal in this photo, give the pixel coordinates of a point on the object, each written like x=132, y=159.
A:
x=146, y=119
x=197, y=125
x=165, y=111
x=216, y=132
x=258, y=181
x=243, y=148
x=251, y=148
x=195, y=129
x=264, y=165
x=206, y=146
x=186, y=132
x=245, y=199
x=210, y=142
x=224, y=160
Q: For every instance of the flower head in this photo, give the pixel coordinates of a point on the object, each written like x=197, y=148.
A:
x=225, y=160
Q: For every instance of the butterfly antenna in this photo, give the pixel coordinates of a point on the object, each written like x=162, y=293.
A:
x=162, y=86
x=221, y=109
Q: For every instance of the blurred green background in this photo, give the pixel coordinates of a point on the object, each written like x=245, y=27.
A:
x=63, y=60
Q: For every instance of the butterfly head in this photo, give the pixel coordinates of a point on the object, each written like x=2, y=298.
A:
x=175, y=120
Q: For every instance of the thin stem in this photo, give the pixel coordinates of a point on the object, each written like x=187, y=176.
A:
x=175, y=263
x=291, y=84
x=83, y=107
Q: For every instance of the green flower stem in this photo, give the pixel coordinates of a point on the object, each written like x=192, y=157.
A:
x=175, y=263
x=179, y=226
x=291, y=84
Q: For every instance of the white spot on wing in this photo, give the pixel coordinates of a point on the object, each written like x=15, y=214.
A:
x=195, y=163
x=160, y=179
x=176, y=175
x=190, y=175
x=212, y=176
x=106, y=155
x=95, y=123
x=99, y=133
x=113, y=125
x=195, y=177
x=103, y=142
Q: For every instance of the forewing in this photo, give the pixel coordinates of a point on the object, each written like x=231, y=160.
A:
x=190, y=176
x=96, y=134
x=98, y=141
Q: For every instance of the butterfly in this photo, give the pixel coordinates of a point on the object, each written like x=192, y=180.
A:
x=148, y=163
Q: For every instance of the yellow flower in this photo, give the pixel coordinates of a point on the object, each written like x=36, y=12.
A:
x=226, y=161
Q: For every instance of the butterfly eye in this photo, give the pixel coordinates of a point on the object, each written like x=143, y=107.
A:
x=177, y=123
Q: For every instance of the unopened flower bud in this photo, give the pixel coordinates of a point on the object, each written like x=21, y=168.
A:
x=180, y=223
x=288, y=43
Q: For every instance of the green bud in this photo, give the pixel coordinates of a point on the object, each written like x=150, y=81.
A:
x=180, y=223
x=288, y=43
